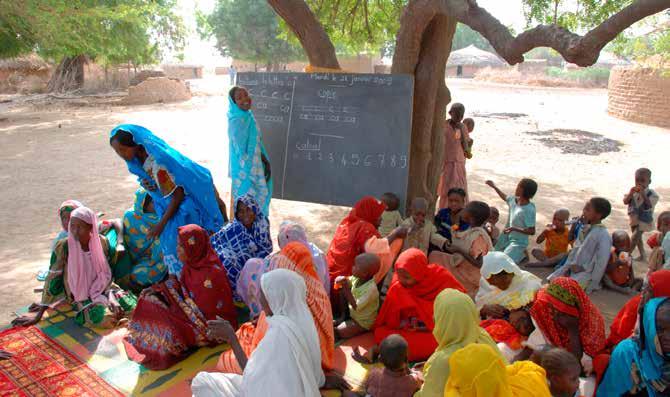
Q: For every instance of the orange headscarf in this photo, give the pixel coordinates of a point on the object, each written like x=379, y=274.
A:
x=352, y=234
x=300, y=261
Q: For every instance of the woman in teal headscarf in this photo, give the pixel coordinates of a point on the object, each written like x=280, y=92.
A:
x=183, y=191
x=641, y=365
x=145, y=254
x=249, y=166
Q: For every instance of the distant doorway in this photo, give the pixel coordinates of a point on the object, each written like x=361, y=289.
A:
x=459, y=71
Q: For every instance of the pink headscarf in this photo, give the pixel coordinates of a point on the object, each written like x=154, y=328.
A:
x=87, y=281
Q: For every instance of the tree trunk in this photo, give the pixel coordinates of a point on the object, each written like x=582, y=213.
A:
x=69, y=75
x=423, y=45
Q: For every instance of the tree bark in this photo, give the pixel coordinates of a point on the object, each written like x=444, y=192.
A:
x=69, y=74
x=305, y=25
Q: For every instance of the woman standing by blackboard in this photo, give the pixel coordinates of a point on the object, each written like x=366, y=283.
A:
x=249, y=166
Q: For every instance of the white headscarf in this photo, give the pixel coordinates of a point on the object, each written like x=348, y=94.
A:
x=521, y=291
x=287, y=362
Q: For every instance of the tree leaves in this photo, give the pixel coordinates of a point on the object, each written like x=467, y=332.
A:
x=111, y=31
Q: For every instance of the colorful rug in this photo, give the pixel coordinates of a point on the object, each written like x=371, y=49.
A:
x=103, y=352
x=41, y=367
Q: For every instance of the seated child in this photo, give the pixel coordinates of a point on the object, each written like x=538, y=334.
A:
x=468, y=248
x=520, y=221
x=396, y=378
x=619, y=275
x=466, y=140
x=391, y=218
x=490, y=225
x=421, y=234
x=641, y=201
x=660, y=256
x=587, y=261
x=449, y=219
x=361, y=294
x=563, y=370
x=510, y=335
x=556, y=239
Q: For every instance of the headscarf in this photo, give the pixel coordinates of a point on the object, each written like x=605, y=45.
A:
x=194, y=178
x=564, y=295
x=431, y=280
x=625, y=321
x=352, y=234
x=299, y=260
x=245, y=148
x=291, y=336
x=235, y=244
x=477, y=370
x=290, y=231
x=67, y=206
x=456, y=326
x=638, y=363
x=521, y=291
x=203, y=276
x=87, y=281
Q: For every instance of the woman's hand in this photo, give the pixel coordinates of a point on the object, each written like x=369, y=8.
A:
x=29, y=319
x=494, y=311
x=220, y=330
x=336, y=381
x=155, y=231
x=267, y=168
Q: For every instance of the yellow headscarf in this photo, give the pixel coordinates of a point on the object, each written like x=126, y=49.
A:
x=478, y=371
x=456, y=326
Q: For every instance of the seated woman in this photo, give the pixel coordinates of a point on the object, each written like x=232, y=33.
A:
x=81, y=275
x=565, y=317
x=145, y=254
x=182, y=191
x=246, y=237
x=639, y=366
x=356, y=234
x=477, y=370
x=298, y=258
x=504, y=287
x=171, y=317
x=456, y=326
x=624, y=324
x=64, y=212
x=287, y=360
x=408, y=308
x=289, y=232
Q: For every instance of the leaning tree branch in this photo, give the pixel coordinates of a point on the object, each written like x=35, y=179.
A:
x=305, y=25
x=581, y=50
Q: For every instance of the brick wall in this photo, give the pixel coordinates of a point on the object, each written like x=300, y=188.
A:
x=639, y=95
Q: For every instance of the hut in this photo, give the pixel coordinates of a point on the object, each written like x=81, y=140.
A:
x=27, y=74
x=467, y=61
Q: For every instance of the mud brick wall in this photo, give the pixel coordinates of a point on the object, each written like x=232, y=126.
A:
x=641, y=95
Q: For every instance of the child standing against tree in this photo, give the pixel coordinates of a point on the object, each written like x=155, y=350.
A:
x=453, y=168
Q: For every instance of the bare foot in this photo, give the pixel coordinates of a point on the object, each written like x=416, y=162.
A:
x=29, y=319
x=5, y=355
x=360, y=358
x=34, y=307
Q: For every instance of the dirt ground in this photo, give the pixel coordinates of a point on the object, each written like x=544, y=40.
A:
x=49, y=153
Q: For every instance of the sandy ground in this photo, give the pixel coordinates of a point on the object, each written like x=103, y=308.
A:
x=55, y=152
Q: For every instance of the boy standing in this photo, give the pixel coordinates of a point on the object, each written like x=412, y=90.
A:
x=641, y=200
x=587, y=261
x=520, y=221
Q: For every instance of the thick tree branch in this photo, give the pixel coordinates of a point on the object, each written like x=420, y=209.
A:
x=304, y=24
x=581, y=50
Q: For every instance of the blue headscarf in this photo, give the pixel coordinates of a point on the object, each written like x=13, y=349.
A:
x=652, y=368
x=244, y=139
x=194, y=178
x=235, y=244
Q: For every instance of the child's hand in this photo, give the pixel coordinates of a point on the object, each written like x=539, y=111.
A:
x=491, y=184
x=220, y=330
x=508, y=230
x=149, y=185
x=401, y=231
x=342, y=281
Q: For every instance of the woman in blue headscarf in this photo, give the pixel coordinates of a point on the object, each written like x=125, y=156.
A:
x=246, y=237
x=249, y=166
x=183, y=191
x=641, y=365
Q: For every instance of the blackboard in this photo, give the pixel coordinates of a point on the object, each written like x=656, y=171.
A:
x=333, y=138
